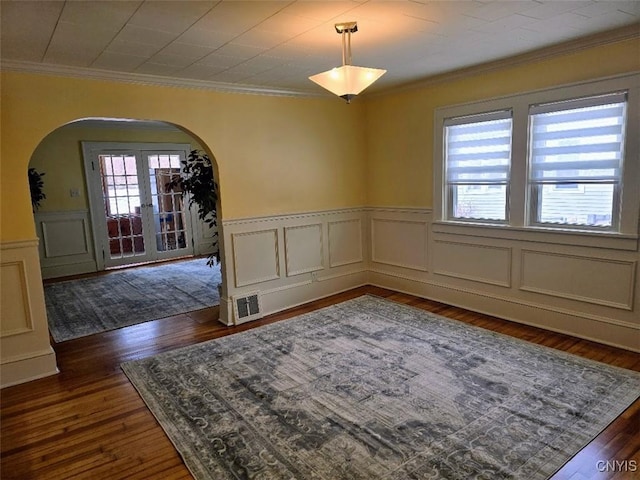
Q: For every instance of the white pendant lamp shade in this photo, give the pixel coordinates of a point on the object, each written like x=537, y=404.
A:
x=347, y=81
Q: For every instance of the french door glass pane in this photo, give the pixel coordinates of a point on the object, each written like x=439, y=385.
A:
x=121, y=196
x=168, y=205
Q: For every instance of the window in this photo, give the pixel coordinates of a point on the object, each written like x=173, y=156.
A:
x=575, y=161
x=558, y=164
x=478, y=157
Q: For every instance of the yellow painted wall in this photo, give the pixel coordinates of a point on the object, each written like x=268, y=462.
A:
x=400, y=125
x=275, y=155
x=59, y=156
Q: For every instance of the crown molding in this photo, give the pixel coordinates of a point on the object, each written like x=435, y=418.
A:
x=572, y=46
x=603, y=38
x=120, y=123
x=144, y=79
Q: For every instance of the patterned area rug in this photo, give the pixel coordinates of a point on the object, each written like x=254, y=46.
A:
x=370, y=389
x=82, y=307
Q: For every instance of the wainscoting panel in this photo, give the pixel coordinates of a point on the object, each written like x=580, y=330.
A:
x=303, y=249
x=399, y=243
x=345, y=242
x=293, y=259
x=61, y=238
x=480, y=263
x=585, y=279
x=561, y=281
x=66, y=247
x=25, y=352
x=255, y=256
x=14, y=294
x=528, y=277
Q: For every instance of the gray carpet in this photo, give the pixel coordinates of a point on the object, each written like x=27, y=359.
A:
x=77, y=308
x=370, y=389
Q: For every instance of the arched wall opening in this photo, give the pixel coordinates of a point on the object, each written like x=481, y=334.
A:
x=74, y=185
x=74, y=227
x=62, y=157
x=71, y=238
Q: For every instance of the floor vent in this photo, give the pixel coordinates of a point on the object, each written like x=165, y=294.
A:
x=247, y=307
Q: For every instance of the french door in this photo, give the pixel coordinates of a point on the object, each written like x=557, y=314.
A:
x=136, y=216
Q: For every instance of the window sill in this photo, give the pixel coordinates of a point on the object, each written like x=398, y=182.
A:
x=574, y=237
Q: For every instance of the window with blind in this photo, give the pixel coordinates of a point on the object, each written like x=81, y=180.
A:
x=559, y=164
x=477, y=165
x=576, y=151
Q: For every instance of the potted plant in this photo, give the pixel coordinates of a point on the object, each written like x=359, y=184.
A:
x=36, y=186
x=197, y=180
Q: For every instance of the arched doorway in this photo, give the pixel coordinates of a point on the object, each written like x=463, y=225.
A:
x=74, y=225
x=106, y=189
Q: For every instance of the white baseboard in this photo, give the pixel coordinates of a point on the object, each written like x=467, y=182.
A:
x=577, y=324
x=58, y=271
x=20, y=370
x=281, y=298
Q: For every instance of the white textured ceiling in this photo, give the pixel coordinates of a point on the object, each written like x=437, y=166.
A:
x=278, y=44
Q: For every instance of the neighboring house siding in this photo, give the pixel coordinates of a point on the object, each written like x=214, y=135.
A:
x=592, y=204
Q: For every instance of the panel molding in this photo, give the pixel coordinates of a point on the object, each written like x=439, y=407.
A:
x=580, y=298
x=474, y=278
x=506, y=299
x=490, y=286
x=240, y=280
x=621, y=334
x=332, y=244
x=21, y=267
x=25, y=350
x=48, y=242
x=289, y=249
x=55, y=258
x=310, y=265
x=374, y=254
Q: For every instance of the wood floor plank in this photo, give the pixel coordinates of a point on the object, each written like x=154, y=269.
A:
x=88, y=422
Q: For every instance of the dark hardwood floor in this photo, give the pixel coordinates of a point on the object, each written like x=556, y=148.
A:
x=89, y=422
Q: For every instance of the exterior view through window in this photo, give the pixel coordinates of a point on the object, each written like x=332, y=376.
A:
x=576, y=161
x=478, y=161
x=573, y=164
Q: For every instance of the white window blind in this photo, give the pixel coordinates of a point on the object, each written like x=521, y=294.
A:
x=477, y=165
x=478, y=149
x=575, y=161
x=579, y=141
x=566, y=164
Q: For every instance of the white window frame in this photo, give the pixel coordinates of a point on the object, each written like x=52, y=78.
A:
x=450, y=186
x=536, y=186
x=624, y=237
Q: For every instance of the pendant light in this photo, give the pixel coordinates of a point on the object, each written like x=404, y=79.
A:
x=347, y=81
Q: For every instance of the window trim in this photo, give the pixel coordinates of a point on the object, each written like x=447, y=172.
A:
x=520, y=212
x=535, y=186
x=450, y=186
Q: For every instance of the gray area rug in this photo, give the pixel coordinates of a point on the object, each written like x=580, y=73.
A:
x=77, y=308
x=371, y=389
